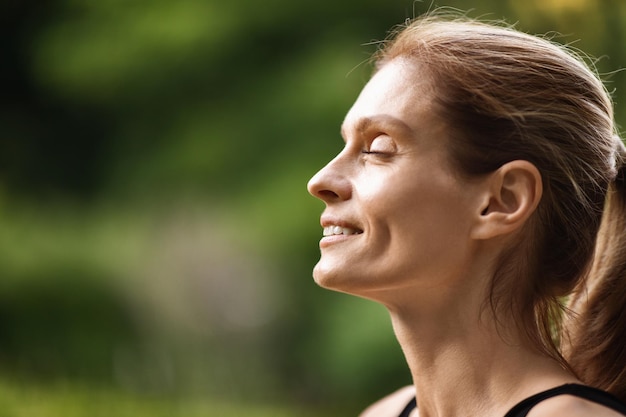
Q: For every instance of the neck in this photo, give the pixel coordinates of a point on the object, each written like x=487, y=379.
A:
x=462, y=365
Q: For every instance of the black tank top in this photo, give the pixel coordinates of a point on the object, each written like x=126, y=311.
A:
x=524, y=406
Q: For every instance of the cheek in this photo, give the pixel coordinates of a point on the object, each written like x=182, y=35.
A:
x=429, y=217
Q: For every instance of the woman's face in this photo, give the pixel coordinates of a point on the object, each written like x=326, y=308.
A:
x=396, y=214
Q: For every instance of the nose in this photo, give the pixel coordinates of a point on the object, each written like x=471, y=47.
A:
x=330, y=184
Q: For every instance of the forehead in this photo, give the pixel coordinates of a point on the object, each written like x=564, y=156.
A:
x=399, y=94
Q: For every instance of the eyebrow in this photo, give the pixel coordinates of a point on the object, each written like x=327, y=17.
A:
x=383, y=122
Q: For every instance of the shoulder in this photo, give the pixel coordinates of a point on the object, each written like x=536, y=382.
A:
x=571, y=406
x=391, y=405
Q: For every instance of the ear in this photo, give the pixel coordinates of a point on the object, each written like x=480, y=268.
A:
x=511, y=196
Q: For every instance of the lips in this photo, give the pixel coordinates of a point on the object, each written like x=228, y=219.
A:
x=333, y=230
x=334, y=226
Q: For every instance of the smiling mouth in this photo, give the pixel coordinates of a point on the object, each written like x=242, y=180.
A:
x=338, y=230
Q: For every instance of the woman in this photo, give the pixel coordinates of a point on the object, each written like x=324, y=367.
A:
x=482, y=183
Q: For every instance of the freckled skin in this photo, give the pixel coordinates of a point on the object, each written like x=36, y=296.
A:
x=427, y=252
x=404, y=196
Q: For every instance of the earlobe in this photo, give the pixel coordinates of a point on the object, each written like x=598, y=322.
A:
x=512, y=194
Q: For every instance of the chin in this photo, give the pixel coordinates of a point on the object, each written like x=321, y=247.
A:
x=323, y=277
x=341, y=282
x=329, y=278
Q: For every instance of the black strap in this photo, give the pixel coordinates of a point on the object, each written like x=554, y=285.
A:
x=523, y=408
x=588, y=393
x=409, y=407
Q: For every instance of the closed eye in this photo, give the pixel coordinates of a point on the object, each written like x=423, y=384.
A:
x=381, y=145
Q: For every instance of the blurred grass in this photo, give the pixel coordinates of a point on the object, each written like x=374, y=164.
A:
x=72, y=400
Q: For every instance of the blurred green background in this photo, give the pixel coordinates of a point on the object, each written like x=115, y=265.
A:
x=156, y=236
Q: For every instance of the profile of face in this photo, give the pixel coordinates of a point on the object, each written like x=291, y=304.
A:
x=397, y=215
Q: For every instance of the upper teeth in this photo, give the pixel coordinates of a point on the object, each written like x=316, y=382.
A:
x=338, y=230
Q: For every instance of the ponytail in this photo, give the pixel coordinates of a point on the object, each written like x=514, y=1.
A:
x=595, y=337
x=505, y=96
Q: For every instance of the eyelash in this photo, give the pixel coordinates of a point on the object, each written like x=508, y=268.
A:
x=366, y=152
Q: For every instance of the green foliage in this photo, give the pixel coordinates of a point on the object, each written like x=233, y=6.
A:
x=70, y=400
x=157, y=237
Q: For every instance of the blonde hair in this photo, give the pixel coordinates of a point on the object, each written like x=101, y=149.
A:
x=506, y=95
